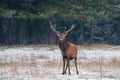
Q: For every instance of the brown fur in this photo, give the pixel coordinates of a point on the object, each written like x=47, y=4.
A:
x=68, y=49
x=64, y=45
x=69, y=52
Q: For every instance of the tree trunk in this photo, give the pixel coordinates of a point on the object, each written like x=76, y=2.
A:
x=1, y=30
x=92, y=31
x=81, y=33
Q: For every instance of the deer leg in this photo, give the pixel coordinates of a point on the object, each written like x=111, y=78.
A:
x=76, y=66
x=63, y=66
x=66, y=67
x=69, y=66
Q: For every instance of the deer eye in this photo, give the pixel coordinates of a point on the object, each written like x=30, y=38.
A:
x=58, y=32
x=65, y=33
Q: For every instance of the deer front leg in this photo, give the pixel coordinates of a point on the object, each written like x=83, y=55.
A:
x=68, y=66
x=63, y=66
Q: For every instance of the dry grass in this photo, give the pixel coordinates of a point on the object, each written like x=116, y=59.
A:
x=51, y=64
x=23, y=61
x=98, y=46
x=31, y=61
x=39, y=65
x=35, y=67
x=114, y=62
x=41, y=57
x=52, y=47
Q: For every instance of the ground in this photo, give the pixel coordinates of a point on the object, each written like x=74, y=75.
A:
x=44, y=62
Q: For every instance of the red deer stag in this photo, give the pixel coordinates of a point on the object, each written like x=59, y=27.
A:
x=68, y=50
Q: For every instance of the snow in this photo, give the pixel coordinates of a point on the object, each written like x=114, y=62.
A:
x=45, y=63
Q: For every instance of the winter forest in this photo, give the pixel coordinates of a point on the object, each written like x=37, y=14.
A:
x=27, y=21
x=85, y=45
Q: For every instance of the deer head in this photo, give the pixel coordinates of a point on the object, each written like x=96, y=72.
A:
x=60, y=34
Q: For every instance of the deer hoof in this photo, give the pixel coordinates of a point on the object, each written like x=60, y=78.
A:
x=63, y=73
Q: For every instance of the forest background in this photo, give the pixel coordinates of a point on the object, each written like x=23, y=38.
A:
x=27, y=21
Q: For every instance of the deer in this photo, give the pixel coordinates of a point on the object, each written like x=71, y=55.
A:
x=68, y=49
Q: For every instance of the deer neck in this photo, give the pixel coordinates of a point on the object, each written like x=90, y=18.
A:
x=64, y=45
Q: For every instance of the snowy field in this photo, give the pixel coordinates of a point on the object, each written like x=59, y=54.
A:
x=44, y=62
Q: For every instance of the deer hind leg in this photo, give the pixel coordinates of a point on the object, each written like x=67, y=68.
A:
x=76, y=66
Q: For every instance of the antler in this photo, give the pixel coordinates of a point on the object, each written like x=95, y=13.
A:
x=53, y=27
x=72, y=27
